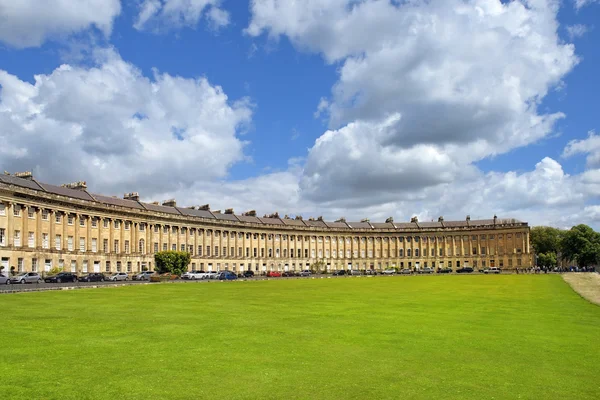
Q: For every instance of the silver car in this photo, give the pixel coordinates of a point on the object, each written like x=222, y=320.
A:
x=4, y=280
x=27, y=277
x=119, y=276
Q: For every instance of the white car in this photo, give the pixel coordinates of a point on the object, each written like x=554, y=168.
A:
x=389, y=272
x=211, y=275
x=354, y=272
x=27, y=277
x=492, y=270
x=4, y=280
x=193, y=275
x=119, y=276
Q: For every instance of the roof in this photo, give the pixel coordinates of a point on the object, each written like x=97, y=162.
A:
x=63, y=191
x=360, y=225
x=13, y=180
x=115, y=201
x=190, y=212
x=293, y=222
x=157, y=208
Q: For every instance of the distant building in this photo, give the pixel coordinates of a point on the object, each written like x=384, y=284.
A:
x=44, y=226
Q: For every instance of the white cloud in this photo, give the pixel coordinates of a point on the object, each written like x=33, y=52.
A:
x=119, y=130
x=29, y=23
x=161, y=15
x=577, y=30
x=589, y=146
x=434, y=87
x=582, y=3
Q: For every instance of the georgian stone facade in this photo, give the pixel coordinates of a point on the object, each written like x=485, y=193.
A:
x=44, y=226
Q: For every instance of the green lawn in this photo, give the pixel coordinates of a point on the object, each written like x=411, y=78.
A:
x=423, y=337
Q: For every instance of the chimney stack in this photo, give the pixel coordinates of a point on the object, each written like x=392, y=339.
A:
x=79, y=185
x=24, y=175
x=390, y=220
x=205, y=207
x=132, y=196
x=170, y=203
x=229, y=211
x=414, y=220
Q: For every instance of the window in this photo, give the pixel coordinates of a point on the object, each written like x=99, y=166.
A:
x=70, y=243
x=347, y=253
x=116, y=246
x=81, y=244
x=106, y=223
x=81, y=221
x=117, y=224
x=45, y=215
x=107, y=268
x=320, y=253
x=510, y=263
x=30, y=212
x=182, y=247
x=105, y=245
x=165, y=229
x=408, y=252
x=216, y=251
x=491, y=237
x=31, y=240
x=127, y=225
x=370, y=253
x=207, y=251
x=17, y=239
x=127, y=247
x=262, y=252
x=94, y=245
x=156, y=247
x=518, y=235
x=20, y=264
x=156, y=228
x=2, y=209
x=128, y=266
x=199, y=251
x=441, y=252
x=70, y=220
x=362, y=254
x=164, y=247
x=305, y=253
x=174, y=230
x=416, y=252
x=118, y=266
x=483, y=251
x=45, y=244
x=17, y=211
x=481, y=236
x=326, y=253
x=518, y=262
x=34, y=265
x=57, y=218
x=239, y=251
x=247, y=251
x=509, y=236
x=94, y=222
x=519, y=250
x=474, y=251
x=142, y=246
x=142, y=227
x=2, y=237
x=500, y=236
x=73, y=266
x=85, y=266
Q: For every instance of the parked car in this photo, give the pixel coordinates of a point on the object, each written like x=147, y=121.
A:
x=406, y=271
x=354, y=272
x=389, y=271
x=193, y=275
x=61, y=277
x=226, y=276
x=274, y=274
x=464, y=270
x=492, y=270
x=339, y=272
x=306, y=272
x=444, y=270
x=146, y=275
x=248, y=274
x=211, y=275
x=4, y=280
x=93, y=277
x=27, y=277
x=371, y=272
x=426, y=270
x=119, y=276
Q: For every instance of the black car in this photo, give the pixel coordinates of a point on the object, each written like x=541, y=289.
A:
x=444, y=270
x=61, y=277
x=339, y=272
x=248, y=274
x=93, y=277
x=464, y=270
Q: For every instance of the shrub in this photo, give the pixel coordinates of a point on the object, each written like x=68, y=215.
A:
x=175, y=262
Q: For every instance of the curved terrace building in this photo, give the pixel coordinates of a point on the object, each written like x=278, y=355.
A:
x=44, y=226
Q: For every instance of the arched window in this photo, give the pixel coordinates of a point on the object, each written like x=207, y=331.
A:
x=142, y=247
x=401, y=252
x=408, y=252
x=416, y=252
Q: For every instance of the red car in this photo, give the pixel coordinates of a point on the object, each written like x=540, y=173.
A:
x=274, y=274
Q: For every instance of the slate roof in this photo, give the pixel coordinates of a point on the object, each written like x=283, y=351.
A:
x=26, y=183
x=293, y=222
x=115, y=201
x=190, y=212
x=359, y=225
x=248, y=218
x=336, y=224
x=225, y=217
x=272, y=221
x=63, y=191
x=317, y=223
x=163, y=209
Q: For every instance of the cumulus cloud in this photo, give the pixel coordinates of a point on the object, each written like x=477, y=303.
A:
x=582, y=3
x=29, y=23
x=118, y=129
x=434, y=87
x=159, y=15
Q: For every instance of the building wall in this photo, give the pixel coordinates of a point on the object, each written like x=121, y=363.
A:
x=41, y=231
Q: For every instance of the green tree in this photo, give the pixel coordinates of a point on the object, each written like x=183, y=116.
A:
x=545, y=239
x=546, y=259
x=581, y=244
x=319, y=266
x=175, y=262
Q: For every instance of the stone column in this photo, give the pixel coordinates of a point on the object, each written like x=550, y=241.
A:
x=10, y=225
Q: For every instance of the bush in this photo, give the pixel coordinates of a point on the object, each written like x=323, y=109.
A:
x=175, y=262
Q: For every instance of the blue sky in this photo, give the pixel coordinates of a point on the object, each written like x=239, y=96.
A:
x=438, y=126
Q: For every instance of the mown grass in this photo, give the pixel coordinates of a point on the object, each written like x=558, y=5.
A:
x=440, y=337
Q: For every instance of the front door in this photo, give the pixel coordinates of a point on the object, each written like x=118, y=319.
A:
x=96, y=266
x=492, y=263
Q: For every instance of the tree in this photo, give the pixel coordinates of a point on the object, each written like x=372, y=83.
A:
x=581, y=244
x=175, y=262
x=546, y=259
x=319, y=266
x=545, y=239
